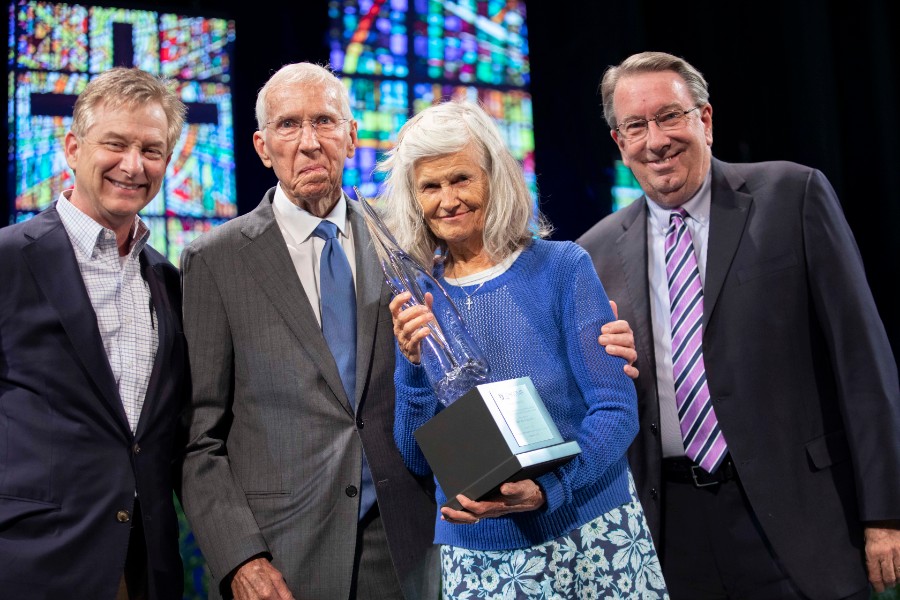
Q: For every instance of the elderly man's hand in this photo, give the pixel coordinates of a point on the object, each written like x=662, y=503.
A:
x=410, y=324
x=883, y=554
x=257, y=579
x=618, y=340
x=518, y=496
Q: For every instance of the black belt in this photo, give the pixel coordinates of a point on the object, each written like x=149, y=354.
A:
x=684, y=470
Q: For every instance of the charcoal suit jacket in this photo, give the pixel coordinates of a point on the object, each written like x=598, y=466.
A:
x=799, y=366
x=69, y=463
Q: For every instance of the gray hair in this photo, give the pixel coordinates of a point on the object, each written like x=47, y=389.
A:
x=511, y=220
x=302, y=72
x=128, y=87
x=651, y=62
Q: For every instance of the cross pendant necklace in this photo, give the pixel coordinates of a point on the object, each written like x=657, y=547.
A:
x=469, y=296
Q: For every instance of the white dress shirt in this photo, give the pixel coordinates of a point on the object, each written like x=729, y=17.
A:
x=297, y=227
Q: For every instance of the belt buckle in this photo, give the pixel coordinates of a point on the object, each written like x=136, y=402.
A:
x=697, y=483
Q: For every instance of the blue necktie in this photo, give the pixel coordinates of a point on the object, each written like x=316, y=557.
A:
x=338, y=306
x=339, y=328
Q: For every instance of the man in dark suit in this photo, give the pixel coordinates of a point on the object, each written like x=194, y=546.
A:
x=92, y=365
x=768, y=460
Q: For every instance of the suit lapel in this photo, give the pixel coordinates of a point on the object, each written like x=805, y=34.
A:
x=268, y=260
x=728, y=214
x=632, y=250
x=153, y=274
x=369, y=290
x=51, y=259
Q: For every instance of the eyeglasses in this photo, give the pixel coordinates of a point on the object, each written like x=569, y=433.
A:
x=289, y=129
x=636, y=129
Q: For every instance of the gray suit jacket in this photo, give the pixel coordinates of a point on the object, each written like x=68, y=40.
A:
x=274, y=452
x=798, y=363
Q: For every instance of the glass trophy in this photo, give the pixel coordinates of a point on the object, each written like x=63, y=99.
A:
x=453, y=361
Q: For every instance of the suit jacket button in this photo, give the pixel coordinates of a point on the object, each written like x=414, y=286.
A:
x=351, y=490
x=653, y=493
x=654, y=429
x=136, y=448
x=123, y=516
x=360, y=423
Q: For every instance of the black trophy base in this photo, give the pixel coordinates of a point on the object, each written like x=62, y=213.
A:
x=495, y=433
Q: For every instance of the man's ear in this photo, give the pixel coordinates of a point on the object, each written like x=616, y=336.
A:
x=259, y=143
x=706, y=118
x=620, y=142
x=70, y=148
x=354, y=139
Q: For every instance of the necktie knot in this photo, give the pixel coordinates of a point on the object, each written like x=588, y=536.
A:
x=325, y=230
x=677, y=217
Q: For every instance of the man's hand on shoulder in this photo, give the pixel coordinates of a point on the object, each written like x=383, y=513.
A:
x=883, y=554
x=257, y=579
x=617, y=339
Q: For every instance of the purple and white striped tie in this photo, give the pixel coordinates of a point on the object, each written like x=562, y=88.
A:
x=704, y=442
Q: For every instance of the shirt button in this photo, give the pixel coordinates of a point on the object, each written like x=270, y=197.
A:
x=351, y=491
x=123, y=516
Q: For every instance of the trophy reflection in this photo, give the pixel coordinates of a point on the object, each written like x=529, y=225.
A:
x=452, y=360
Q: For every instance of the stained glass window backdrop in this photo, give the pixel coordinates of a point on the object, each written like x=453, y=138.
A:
x=56, y=48
x=397, y=57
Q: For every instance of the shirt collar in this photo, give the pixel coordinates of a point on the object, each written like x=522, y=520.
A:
x=697, y=207
x=87, y=234
x=300, y=224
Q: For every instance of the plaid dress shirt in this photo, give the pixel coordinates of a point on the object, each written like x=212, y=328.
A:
x=121, y=300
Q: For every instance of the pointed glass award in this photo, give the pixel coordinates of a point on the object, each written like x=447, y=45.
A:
x=453, y=361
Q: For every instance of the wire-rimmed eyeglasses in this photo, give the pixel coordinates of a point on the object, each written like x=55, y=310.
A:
x=667, y=120
x=289, y=128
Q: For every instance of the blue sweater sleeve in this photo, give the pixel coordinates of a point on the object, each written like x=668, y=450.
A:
x=611, y=420
x=415, y=404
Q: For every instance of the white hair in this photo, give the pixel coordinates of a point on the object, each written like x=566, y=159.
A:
x=511, y=219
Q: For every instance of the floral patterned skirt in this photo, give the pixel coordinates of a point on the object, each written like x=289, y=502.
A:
x=611, y=556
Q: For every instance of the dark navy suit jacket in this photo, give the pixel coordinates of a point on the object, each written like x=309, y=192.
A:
x=69, y=464
x=798, y=363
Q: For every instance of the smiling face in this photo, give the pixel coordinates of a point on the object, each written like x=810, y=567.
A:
x=669, y=165
x=453, y=192
x=310, y=168
x=119, y=163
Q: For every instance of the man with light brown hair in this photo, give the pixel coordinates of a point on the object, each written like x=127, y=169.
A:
x=92, y=364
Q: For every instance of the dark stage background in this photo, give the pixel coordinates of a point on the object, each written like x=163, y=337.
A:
x=811, y=82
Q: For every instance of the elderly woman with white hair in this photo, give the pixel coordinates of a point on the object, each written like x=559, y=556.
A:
x=455, y=197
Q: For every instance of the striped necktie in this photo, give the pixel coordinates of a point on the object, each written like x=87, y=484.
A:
x=704, y=442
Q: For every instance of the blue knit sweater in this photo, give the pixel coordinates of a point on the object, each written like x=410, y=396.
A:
x=540, y=318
